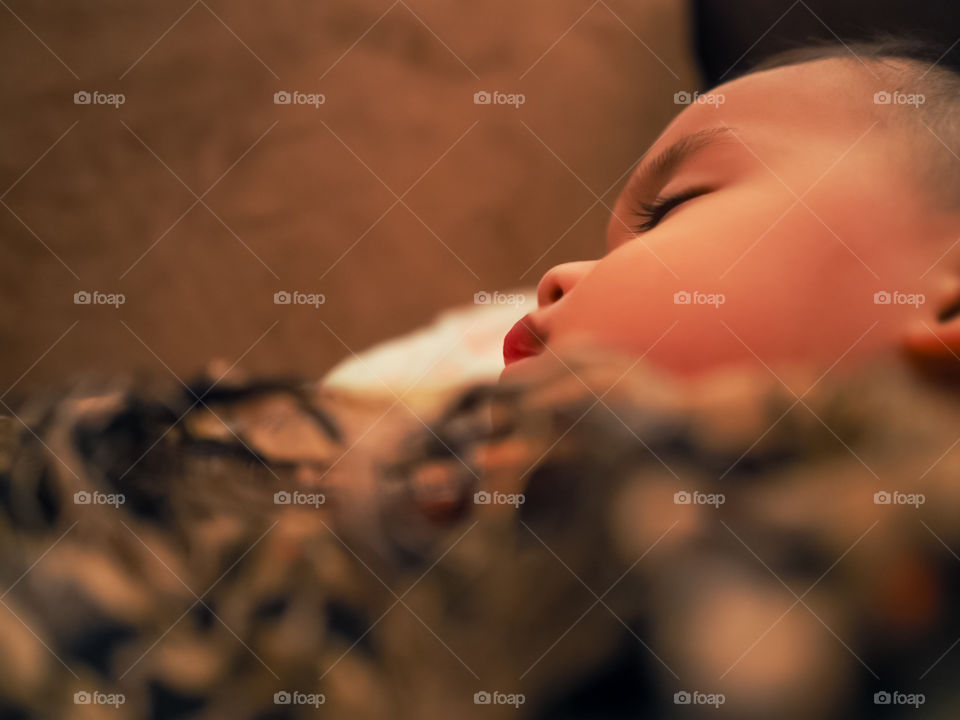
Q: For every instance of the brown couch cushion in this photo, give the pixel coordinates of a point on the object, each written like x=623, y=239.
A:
x=295, y=188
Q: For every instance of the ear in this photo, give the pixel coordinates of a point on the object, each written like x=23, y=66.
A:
x=934, y=342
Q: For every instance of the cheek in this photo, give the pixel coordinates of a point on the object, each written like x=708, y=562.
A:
x=629, y=300
x=640, y=290
x=738, y=275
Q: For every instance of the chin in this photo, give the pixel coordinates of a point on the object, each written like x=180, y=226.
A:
x=520, y=368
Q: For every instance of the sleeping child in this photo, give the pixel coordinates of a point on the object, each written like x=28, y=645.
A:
x=717, y=477
x=808, y=218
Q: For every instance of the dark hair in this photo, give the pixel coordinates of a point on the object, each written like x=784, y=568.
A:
x=910, y=65
x=879, y=48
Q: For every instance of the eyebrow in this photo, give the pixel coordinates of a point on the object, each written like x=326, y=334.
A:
x=657, y=170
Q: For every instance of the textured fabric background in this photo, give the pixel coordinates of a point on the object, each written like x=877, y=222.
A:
x=303, y=198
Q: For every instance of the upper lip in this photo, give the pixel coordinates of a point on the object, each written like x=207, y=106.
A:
x=524, y=340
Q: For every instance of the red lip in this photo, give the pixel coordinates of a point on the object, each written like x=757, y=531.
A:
x=522, y=341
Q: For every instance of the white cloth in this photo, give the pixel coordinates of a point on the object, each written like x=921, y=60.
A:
x=464, y=343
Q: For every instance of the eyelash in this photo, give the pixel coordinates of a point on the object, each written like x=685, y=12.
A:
x=653, y=212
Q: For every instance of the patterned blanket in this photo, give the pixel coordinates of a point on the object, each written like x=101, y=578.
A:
x=598, y=541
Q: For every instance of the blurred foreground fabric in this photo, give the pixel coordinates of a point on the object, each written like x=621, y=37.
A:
x=599, y=541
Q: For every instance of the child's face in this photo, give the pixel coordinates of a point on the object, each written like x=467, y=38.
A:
x=808, y=205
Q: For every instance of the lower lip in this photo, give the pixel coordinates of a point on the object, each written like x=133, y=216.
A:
x=520, y=343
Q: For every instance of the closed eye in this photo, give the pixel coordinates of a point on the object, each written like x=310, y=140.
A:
x=650, y=214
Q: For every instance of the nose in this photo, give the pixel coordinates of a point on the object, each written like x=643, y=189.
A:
x=561, y=279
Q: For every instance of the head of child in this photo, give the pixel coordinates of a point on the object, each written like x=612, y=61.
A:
x=805, y=213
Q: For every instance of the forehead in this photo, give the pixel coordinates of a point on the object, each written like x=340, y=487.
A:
x=824, y=98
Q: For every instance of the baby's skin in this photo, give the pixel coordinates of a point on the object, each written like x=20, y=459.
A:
x=805, y=228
